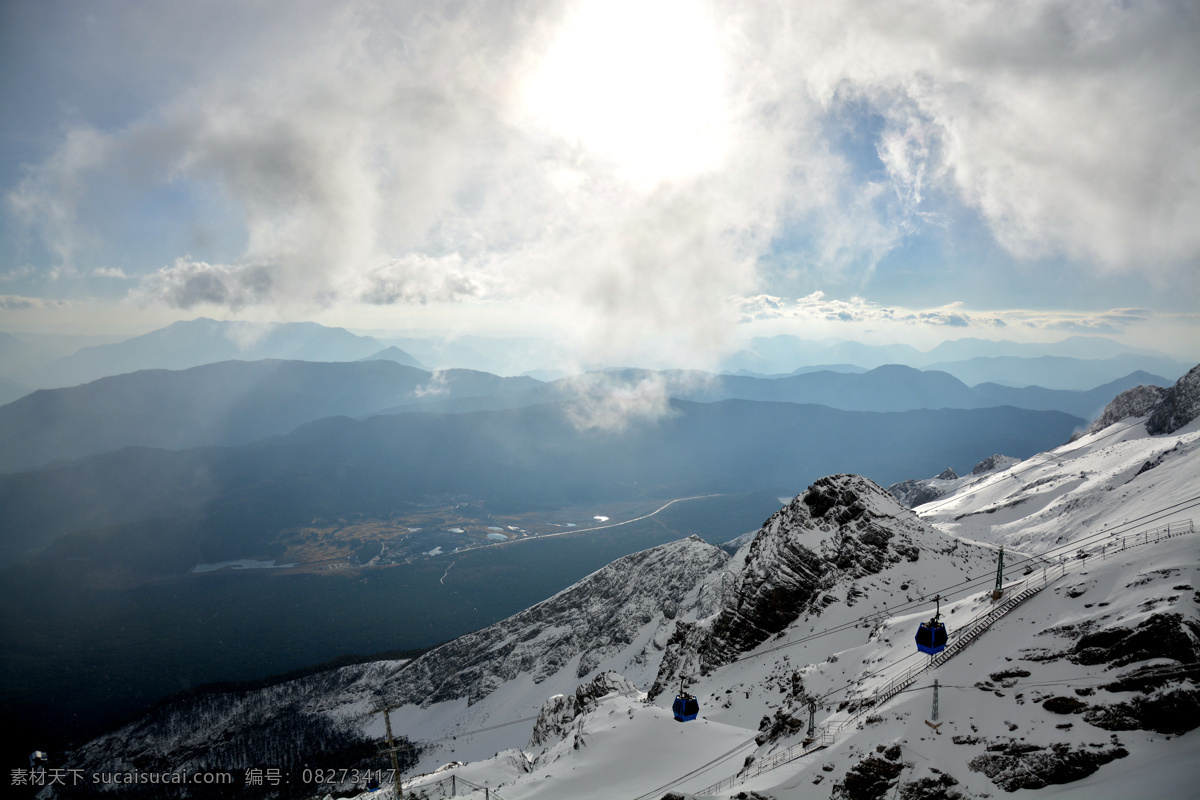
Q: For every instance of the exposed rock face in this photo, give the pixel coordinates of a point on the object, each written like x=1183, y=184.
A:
x=842, y=528
x=1170, y=709
x=1179, y=405
x=918, y=491
x=1166, y=700
x=1018, y=765
x=555, y=720
x=1136, y=402
x=870, y=779
x=993, y=463
x=1159, y=636
x=1167, y=410
x=930, y=788
x=915, y=492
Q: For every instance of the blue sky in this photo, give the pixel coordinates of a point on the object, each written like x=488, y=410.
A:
x=610, y=173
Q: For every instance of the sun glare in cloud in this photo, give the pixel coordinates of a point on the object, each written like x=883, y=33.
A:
x=636, y=82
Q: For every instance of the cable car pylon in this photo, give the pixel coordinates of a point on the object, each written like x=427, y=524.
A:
x=998, y=592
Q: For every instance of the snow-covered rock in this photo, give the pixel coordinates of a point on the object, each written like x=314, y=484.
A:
x=915, y=492
x=560, y=711
x=612, y=616
x=993, y=463
x=1087, y=690
x=919, y=491
x=1136, y=402
x=1179, y=406
x=843, y=529
x=1166, y=410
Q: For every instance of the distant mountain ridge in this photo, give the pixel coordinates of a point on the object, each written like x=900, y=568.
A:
x=1076, y=363
x=394, y=353
x=234, y=500
x=235, y=402
x=1057, y=372
x=815, y=615
x=1083, y=362
x=204, y=341
x=226, y=403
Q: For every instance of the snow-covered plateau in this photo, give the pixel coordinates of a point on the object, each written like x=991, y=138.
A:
x=1077, y=678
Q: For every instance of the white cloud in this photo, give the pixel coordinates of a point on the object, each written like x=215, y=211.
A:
x=188, y=283
x=13, y=302
x=418, y=279
x=859, y=312
x=110, y=272
x=47, y=198
x=392, y=154
x=610, y=403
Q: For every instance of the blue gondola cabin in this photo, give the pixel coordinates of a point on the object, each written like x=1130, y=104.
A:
x=932, y=636
x=686, y=706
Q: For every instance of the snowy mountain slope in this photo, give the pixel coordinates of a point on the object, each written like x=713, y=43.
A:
x=1104, y=479
x=1027, y=706
x=616, y=618
x=1140, y=611
x=814, y=565
x=819, y=611
x=612, y=619
x=841, y=541
x=1109, y=618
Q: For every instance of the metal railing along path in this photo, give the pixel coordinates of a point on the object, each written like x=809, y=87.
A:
x=450, y=786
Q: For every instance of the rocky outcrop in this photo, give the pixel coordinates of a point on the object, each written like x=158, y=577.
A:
x=1136, y=402
x=559, y=713
x=1166, y=410
x=918, y=491
x=1178, y=406
x=993, y=463
x=915, y=492
x=1016, y=765
x=1167, y=636
x=842, y=528
x=872, y=778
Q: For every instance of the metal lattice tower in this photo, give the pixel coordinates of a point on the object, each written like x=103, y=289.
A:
x=391, y=749
x=935, y=699
x=998, y=592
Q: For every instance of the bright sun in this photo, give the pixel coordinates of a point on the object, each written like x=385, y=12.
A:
x=639, y=82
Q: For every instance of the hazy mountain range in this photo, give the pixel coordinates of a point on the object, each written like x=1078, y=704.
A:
x=235, y=500
x=1076, y=363
x=218, y=442
x=235, y=402
x=1083, y=685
